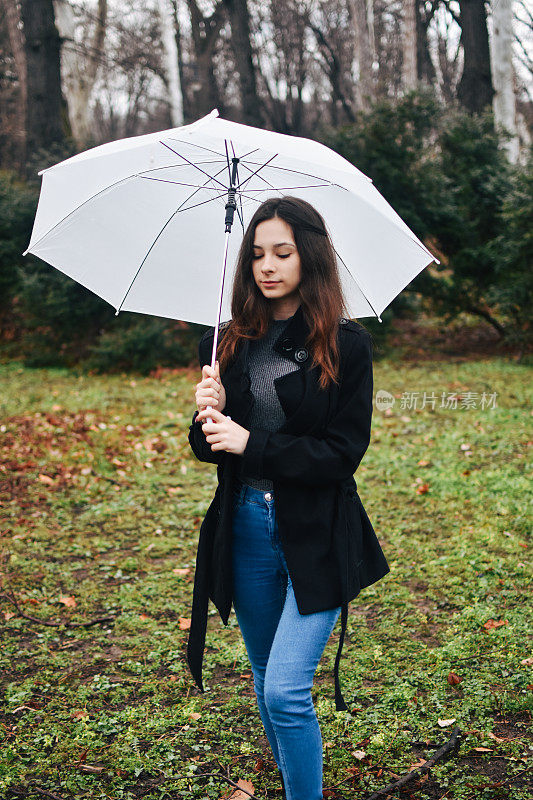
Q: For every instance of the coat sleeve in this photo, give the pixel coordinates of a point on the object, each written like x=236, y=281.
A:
x=200, y=447
x=335, y=455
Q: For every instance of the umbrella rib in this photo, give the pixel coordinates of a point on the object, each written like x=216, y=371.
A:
x=249, y=178
x=287, y=188
x=194, y=144
x=357, y=284
x=240, y=212
x=177, y=211
x=117, y=183
x=300, y=172
x=182, y=183
x=195, y=166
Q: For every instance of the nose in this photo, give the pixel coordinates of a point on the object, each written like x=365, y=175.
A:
x=268, y=264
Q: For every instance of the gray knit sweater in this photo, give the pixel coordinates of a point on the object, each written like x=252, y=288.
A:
x=264, y=365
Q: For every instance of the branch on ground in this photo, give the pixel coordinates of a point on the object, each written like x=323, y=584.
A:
x=10, y=597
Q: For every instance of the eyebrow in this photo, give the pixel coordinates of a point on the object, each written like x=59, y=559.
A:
x=279, y=244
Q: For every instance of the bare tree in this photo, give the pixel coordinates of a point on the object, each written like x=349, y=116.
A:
x=239, y=17
x=362, y=19
x=410, y=49
x=14, y=109
x=284, y=57
x=504, y=104
x=425, y=68
x=202, y=85
x=475, y=90
x=167, y=20
x=44, y=127
x=330, y=23
x=79, y=64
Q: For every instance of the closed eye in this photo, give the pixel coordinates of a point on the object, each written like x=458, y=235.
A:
x=257, y=256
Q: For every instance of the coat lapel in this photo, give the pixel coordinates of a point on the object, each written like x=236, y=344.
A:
x=304, y=404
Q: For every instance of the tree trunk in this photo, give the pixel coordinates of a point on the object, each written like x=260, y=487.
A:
x=79, y=72
x=475, y=87
x=170, y=62
x=16, y=40
x=204, y=93
x=42, y=45
x=409, y=45
x=502, y=70
x=239, y=17
x=361, y=12
x=425, y=68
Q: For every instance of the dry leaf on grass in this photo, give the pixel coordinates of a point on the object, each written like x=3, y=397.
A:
x=237, y=794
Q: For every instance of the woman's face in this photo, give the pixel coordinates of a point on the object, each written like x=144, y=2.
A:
x=276, y=265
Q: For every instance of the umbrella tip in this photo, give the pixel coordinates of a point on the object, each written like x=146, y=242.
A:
x=25, y=253
x=117, y=312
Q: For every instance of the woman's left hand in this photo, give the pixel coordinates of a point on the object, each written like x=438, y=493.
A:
x=223, y=433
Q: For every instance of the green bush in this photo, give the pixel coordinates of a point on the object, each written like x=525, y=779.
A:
x=444, y=171
x=142, y=343
x=18, y=204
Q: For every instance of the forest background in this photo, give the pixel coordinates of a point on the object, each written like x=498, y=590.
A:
x=432, y=100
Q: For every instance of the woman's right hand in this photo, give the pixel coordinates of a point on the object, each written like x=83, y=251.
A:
x=210, y=391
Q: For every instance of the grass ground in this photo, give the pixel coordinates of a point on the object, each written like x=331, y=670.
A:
x=100, y=506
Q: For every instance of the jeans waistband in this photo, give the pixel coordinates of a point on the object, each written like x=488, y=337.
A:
x=244, y=493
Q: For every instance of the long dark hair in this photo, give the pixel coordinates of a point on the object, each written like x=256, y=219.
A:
x=320, y=289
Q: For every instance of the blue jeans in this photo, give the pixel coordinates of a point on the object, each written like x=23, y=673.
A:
x=284, y=646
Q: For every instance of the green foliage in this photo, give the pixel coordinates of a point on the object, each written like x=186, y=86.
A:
x=444, y=171
x=143, y=343
x=18, y=204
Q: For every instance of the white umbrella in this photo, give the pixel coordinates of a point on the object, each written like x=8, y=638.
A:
x=144, y=222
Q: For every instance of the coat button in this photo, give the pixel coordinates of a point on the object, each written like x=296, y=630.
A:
x=286, y=344
x=301, y=355
x=343, y=321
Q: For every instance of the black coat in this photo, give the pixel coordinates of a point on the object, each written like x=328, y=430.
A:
x=330, y=546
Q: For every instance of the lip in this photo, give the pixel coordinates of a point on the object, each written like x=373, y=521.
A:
x=270, y=283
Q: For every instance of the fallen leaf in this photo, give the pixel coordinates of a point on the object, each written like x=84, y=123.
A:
x=46, y=479
x=194, y=715
x=181, y=570
x=184, y=623
x=482, y=749
x=453, y=679
x=527, y=662
x=144, y=617
x=236, y=794
x=69, y=602
x=494, y=623
x=423, y=463
x=417, y=764
x=359, y=754
x=445, y=723
x=8, y=615
x=423, y=488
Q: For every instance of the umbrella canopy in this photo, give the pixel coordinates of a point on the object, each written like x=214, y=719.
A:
x=141, y=221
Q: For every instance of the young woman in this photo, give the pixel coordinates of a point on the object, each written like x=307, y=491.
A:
x=286, y=539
